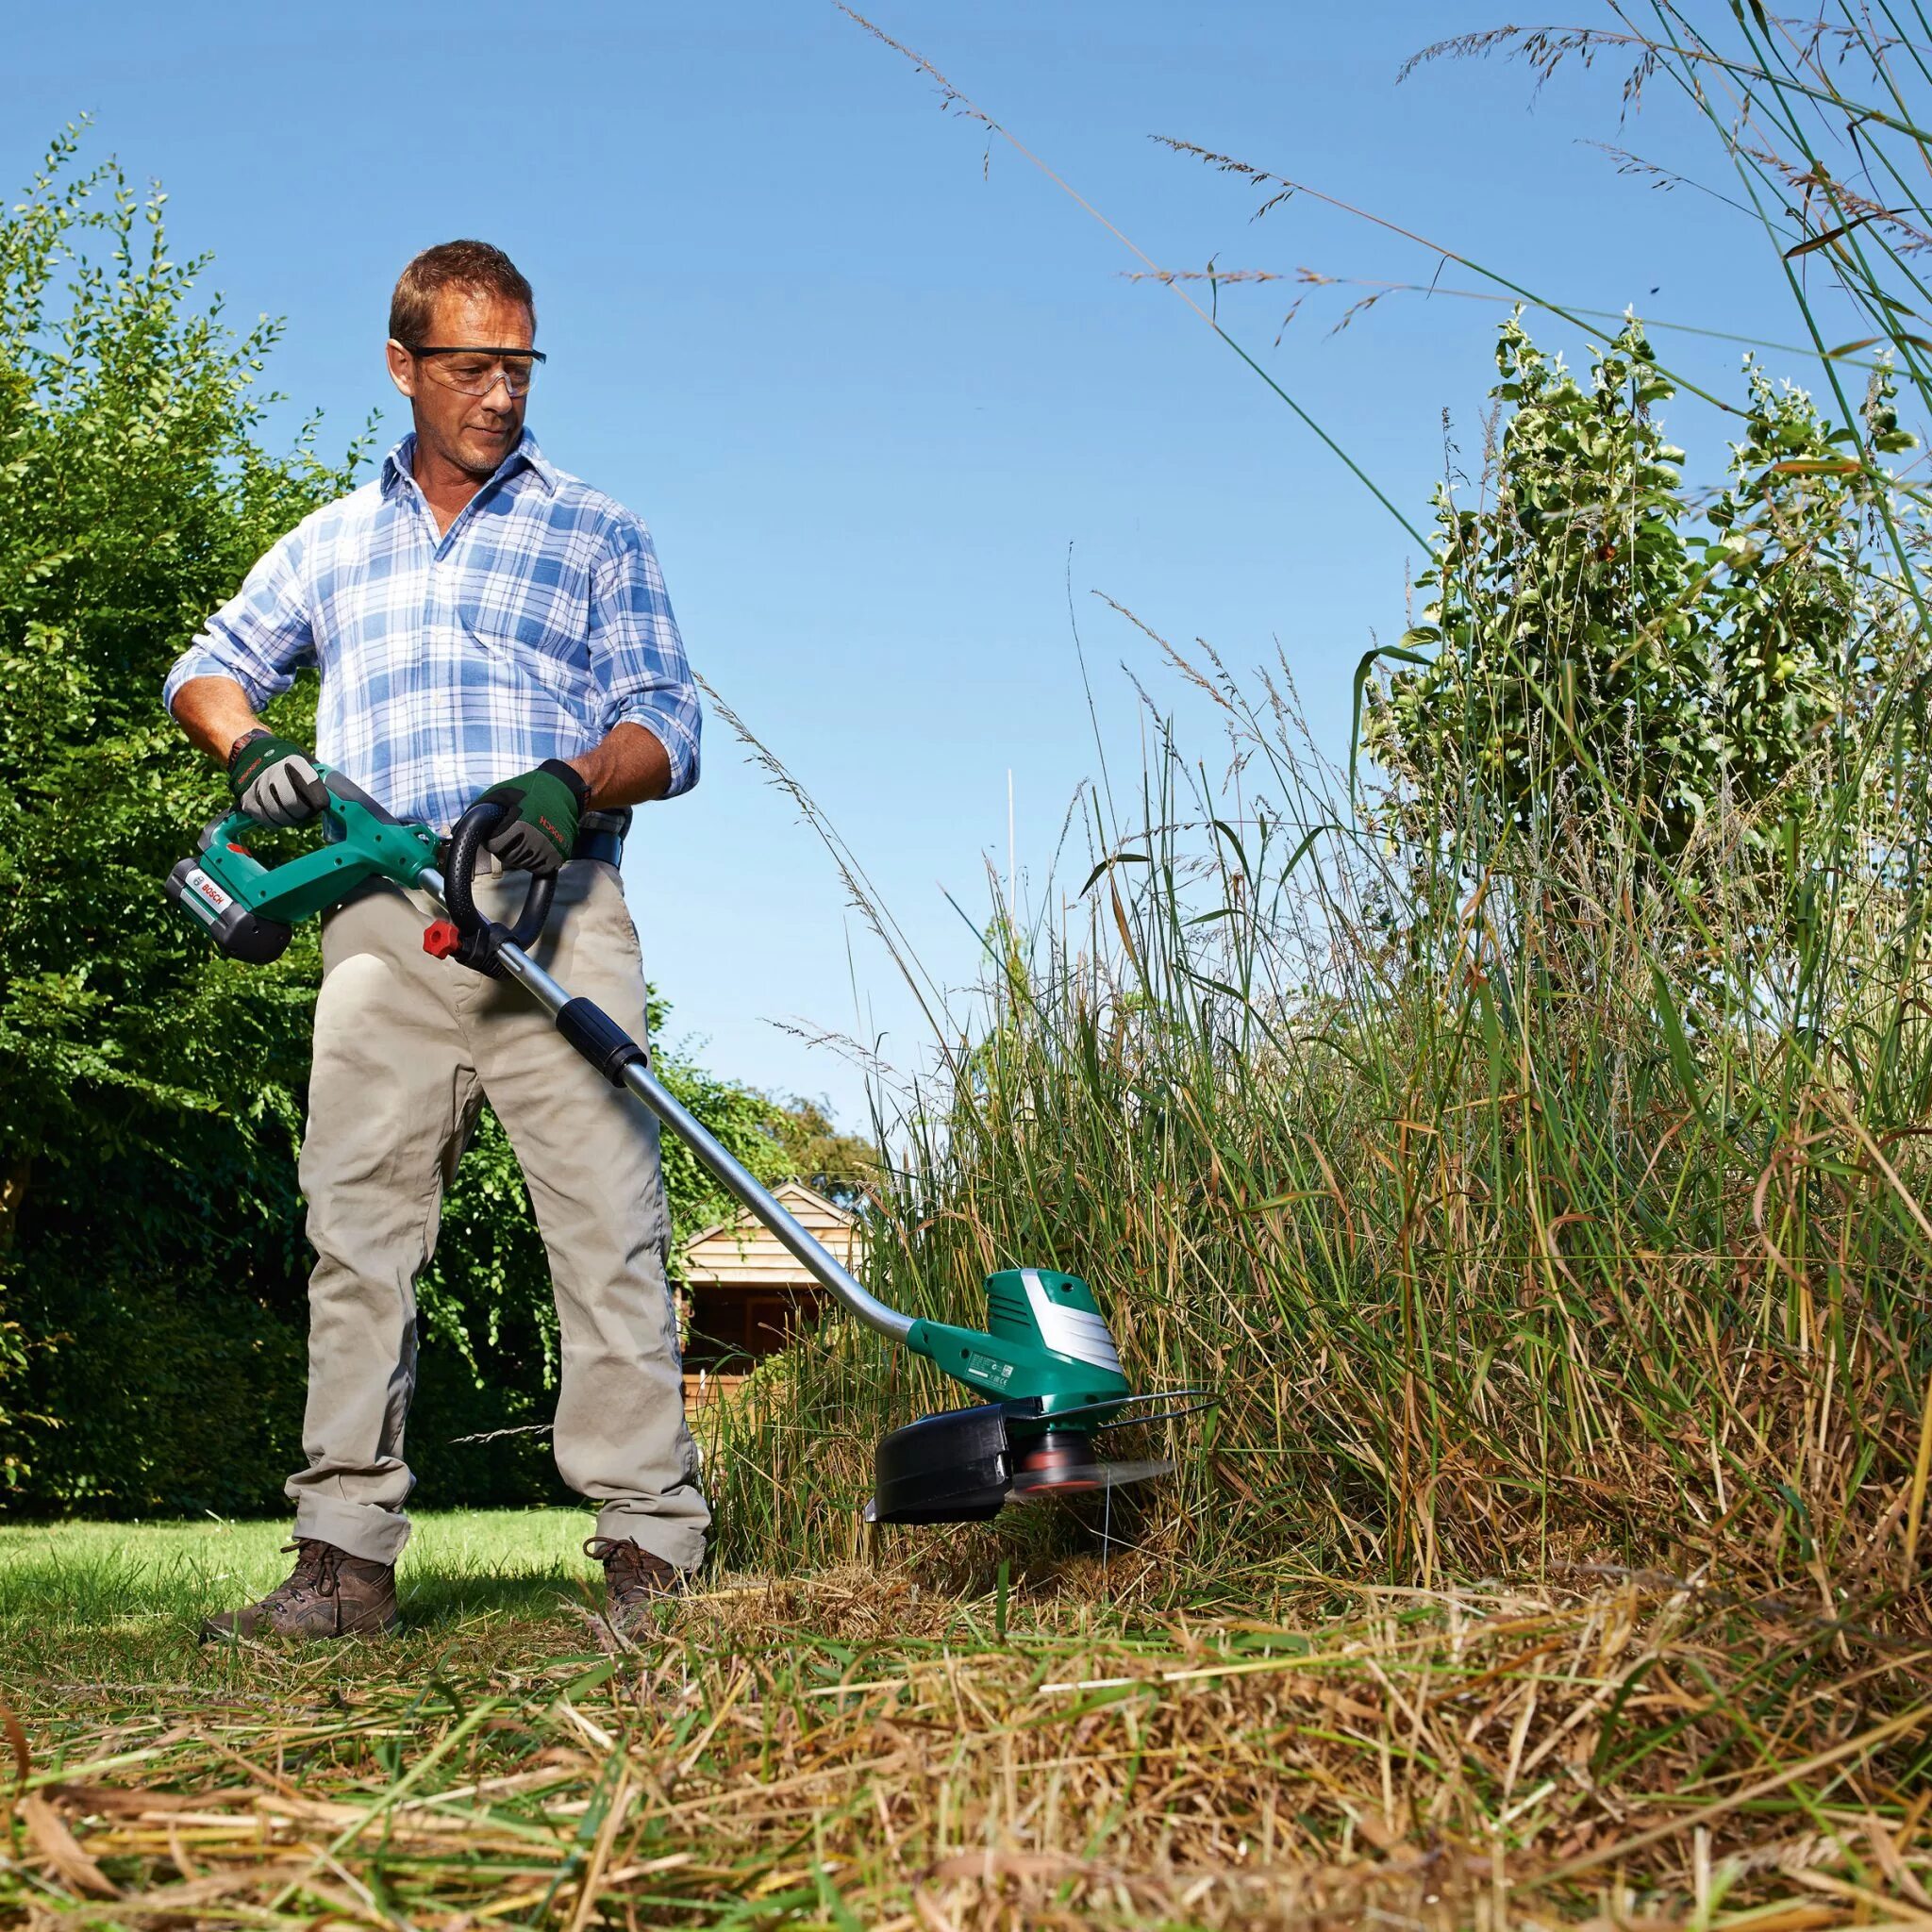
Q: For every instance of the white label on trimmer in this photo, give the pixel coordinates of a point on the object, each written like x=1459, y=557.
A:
x=207, y=891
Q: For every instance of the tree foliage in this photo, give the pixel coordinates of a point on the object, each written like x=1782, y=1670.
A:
x=843, y=1167
x=1589, y=655
x=148, y=1089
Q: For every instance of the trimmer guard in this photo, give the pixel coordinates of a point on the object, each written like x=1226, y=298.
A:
x=957, y=1467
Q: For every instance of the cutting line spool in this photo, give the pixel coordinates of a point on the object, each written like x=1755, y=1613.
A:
x=1063, y=1463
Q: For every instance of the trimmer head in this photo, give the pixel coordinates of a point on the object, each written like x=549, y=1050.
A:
x=952, y=1468
x=1063, y=1462
x=1048, y=1353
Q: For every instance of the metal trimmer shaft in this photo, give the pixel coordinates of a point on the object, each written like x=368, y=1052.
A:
x=622, y=1061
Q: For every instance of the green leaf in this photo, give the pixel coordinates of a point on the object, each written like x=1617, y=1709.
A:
x=1108, y=864
x=1831, y=235
x=1683, y=1063
x=1396, y=654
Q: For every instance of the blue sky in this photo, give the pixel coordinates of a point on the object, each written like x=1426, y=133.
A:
x=883, y=392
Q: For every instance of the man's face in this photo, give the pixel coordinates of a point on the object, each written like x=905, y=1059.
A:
x=473, y=433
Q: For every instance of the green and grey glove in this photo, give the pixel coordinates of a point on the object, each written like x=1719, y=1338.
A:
x=546, y=804
x=273, y=781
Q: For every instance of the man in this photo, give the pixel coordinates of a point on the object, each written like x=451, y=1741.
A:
x=485, y=626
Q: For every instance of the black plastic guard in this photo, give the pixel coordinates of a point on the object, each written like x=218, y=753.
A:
x=952, y=1468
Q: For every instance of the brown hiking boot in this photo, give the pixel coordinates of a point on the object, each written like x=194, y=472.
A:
x=634, y=1580
x=330, y=1594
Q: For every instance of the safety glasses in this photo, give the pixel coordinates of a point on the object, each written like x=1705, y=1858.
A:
x=474, y=370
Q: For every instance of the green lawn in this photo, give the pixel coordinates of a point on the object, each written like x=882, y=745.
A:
x=124, y=1598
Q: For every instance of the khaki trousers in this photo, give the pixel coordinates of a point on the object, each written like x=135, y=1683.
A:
x=406, y=1048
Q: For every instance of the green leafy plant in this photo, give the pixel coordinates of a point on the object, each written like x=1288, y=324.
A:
x=1586, y=661
x=152, y=1266
x=148, y=1090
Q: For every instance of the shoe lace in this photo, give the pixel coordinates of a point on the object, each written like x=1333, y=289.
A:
x=626, y=1566
x=317, y=1570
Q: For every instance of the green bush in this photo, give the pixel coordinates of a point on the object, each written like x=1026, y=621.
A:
x=148, y=1089
x=1584, y=656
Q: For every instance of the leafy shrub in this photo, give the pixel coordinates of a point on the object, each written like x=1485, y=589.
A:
x=1584, y=656
x=148, y=1089
x=151, y=1269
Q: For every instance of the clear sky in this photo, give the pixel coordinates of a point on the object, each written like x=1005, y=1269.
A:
x=880, y=389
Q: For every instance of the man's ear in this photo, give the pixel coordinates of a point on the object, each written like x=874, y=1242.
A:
x=402, y=368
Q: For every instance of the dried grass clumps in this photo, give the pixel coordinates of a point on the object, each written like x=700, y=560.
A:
x=834, y=1754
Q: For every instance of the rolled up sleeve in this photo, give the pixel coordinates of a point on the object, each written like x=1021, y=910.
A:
x=260, y=637
x=639, y=657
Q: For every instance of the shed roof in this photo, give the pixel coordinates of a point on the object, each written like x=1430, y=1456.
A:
x=743, y=1252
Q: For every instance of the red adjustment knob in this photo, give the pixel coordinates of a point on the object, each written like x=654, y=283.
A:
x=441, y=938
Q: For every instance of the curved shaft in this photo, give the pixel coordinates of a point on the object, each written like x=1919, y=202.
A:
x=748, y=1190
x=731, y=1175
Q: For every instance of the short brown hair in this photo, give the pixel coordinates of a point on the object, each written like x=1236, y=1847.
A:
x=474, y=265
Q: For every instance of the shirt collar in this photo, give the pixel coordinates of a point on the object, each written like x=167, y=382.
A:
x=526, y=455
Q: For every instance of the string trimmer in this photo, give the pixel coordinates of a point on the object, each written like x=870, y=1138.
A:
x=1045, y=1358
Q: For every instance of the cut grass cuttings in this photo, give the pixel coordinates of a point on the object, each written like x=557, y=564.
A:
x=855, y=1750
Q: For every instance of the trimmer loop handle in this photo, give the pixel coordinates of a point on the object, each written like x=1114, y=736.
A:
x=481, y=938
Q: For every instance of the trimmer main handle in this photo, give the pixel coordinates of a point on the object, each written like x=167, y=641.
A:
x=479, y=941
x=248, y=909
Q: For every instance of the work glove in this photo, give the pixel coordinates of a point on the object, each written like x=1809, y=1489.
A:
x=545, y=805
x=274, y=780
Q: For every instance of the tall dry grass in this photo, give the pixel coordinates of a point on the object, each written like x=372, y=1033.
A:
x=1535, y=1194
x=1552, y=1217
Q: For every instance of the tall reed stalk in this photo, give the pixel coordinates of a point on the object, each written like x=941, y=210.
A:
x=1539, y=1178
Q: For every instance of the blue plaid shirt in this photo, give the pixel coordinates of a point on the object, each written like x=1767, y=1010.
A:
x=529, y=629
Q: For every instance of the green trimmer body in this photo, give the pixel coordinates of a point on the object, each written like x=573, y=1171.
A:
x=1045, y=1361
x=250, y=909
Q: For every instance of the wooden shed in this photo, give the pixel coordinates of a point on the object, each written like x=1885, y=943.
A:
x=742, y=1294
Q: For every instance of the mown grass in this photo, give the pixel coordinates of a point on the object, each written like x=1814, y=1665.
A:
x=93, y=1601
x=856, y=1749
